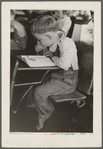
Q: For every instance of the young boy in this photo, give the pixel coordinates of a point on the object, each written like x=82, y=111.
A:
x=63, y=19
x=18, y=39
x=64, y=80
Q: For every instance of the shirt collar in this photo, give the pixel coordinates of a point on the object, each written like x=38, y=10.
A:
x=57, y=43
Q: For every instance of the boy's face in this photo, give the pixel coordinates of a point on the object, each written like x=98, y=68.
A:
x=47, y=39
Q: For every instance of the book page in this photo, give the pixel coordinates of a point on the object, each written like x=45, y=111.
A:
x=37, y=61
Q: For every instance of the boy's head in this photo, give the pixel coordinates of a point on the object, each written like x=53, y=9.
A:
x=46, y=30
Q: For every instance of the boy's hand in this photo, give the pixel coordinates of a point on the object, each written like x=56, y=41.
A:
x=39, y=48
x=48, y=53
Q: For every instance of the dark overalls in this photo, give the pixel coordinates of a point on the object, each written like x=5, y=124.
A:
x=62, y=82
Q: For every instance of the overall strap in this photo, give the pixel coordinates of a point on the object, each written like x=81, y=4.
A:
x=57, y=52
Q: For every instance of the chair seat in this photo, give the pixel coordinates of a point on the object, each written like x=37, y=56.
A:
x=68, y=97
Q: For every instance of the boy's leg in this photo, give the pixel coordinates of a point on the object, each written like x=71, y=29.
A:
x=43, y=105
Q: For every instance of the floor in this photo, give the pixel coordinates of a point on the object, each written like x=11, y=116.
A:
x=65, y=118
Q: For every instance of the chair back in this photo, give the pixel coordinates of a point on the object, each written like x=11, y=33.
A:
x=85, y=60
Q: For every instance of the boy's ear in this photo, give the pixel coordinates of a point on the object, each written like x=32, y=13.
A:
x=50, y=37
x=60, y=33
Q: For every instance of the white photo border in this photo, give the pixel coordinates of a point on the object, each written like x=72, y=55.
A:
x=42, y=139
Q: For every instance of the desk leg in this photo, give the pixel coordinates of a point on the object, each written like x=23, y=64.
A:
x=15, y=107
x=13, y=80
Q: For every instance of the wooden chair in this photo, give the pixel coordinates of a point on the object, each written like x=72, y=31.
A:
x=85, y=78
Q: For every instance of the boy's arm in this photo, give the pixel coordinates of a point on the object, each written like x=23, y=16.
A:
x=39, y=49
x=21, y=35
x=14, y=45
x=23, y=42
x=65, y=24
x=67, y=53
x=19, y=28
x=50, y=54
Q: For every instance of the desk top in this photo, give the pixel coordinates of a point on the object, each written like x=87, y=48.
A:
x=24, y=66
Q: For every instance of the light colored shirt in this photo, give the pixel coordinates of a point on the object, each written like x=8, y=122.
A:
x=65, y=24
x=68, y=54
x=87, y=33
x=19, y=28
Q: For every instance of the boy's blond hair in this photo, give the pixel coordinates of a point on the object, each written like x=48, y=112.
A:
x=43, y=24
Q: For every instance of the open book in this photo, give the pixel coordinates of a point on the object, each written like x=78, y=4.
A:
x=37, y=61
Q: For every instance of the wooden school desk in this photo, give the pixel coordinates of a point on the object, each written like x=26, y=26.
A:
x=23, y=77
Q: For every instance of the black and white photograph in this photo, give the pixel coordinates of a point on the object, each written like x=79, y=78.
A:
x=52, y=49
